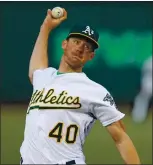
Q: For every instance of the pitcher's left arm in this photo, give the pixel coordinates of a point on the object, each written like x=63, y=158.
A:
x=123, y=143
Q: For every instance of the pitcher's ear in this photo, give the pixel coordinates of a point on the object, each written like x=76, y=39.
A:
x=92, y=55
x=64, y=44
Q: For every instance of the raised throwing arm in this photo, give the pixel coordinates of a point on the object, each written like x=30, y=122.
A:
x=39, y=57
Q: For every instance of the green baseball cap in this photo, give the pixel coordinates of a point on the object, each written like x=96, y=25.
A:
x=85, y=31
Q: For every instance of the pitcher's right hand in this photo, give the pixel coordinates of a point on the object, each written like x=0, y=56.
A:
x=50, y=23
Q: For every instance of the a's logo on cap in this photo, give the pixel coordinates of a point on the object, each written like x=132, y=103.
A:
x=88, y=30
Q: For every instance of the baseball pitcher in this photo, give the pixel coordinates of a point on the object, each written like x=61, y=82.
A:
x=65, y=103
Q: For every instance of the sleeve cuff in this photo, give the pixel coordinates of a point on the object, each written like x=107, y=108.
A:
x=106, y=123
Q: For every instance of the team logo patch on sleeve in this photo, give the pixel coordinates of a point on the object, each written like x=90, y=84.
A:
x=109, y=99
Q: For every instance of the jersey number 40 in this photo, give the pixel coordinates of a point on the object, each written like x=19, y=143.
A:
x=70, y=136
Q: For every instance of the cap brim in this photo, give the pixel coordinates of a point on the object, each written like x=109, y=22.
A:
x=83, y=35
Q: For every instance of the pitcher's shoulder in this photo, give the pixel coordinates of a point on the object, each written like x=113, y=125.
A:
x=42, y=77
x=49, y=70
x=98, y=88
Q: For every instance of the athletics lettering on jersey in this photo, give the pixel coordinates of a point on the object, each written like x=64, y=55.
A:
x=49, y=100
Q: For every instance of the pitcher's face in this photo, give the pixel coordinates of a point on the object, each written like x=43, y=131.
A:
x=77, y=52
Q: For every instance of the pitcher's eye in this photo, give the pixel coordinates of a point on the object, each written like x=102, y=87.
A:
x=87, y=47
x=76, y=41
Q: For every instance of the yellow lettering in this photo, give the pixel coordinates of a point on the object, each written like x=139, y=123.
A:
x=49, y=93
x=39, y=98
x=77, y=101
x=62, y=100
x=33, y=96
x=53, y=99
x=69, y=100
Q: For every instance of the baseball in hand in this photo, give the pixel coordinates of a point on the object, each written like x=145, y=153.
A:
x=57, y=12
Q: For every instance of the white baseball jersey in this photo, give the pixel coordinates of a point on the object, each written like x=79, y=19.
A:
x=62, y=110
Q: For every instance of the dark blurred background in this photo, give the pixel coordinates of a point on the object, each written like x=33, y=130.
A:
x=125, y=44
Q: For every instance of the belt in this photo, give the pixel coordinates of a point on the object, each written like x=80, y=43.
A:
x=69, y=162
x=21, y=160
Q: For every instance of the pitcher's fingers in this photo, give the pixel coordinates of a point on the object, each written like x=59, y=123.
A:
x=64, y=15
x=49, y=12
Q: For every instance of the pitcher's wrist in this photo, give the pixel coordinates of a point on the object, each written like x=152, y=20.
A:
x=45, y=29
